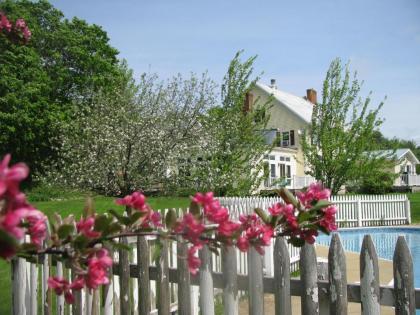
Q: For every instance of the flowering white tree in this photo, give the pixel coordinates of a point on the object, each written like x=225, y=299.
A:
x=132, y=138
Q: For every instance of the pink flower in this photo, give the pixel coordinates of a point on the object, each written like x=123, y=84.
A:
x=5, y=23
x=213, y=211
x=59, y=285
x=98, y=266
x=11, y=177
x=191, y=228
x=20, y=23
x=228, y=228
x=156, y=219
x=278, y=209
x=203, y=199
x=243, y=244
x=37, y=226
x=62, y=286
x=136, y=201
x=78, y=283
x=314, y=193
x=193, y=261
x=328, y=219
x=85, y=226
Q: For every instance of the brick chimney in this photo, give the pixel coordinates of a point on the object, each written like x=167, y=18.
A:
x=311, y=95
x=273, y=84
x=249, y=99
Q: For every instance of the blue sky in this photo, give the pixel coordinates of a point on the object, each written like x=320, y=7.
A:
x=295, y=41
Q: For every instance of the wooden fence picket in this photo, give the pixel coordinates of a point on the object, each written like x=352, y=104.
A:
x=162, y=283
x=369, y=278
x=309, y=279
x=124, y=273
x=282, y=295
x=206, y=282
x=230, y=285
x=143, y=262
x=405, y=303
x=184, y=292
x=256, y=285
x=337, y=277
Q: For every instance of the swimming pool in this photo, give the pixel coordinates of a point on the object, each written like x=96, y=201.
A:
x=384, y=240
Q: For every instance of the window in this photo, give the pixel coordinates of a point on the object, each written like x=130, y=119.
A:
x=285, y=139
x=272, y=157
x=273, y=170
x=285, y=171
x=287, y=159
x=282, y=158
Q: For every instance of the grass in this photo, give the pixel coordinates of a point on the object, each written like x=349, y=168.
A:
x=415, y=207
x=66, y=202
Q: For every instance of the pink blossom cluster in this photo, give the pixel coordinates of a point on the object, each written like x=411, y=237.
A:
x=86, y=227
x=313, y=194
x=254, y=232
x=20, y=27
x=17, y=216
x=137, y=201
x=96, y=275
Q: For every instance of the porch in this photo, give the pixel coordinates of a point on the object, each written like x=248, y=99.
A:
x=408, y=180
x=293, y=182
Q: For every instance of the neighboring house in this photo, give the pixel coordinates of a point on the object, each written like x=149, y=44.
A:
x=289, y=116
x=405, y=166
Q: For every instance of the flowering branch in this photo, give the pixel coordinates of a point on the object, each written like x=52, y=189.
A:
x=17, y=31
x=82, y=243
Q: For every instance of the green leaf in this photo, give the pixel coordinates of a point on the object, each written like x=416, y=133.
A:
x=102, y=222
x=64, y=231
x=8, y=239
x=321, y=204
x=122, y=219
x=114, y=227
x=80, y=242
x=28, y=247
x=157, y=250
x=117, y=245
x=304, y=216
x=136, y=216
x=170, y=219
x=297, y=242
x=263, y=215
x=287, y=196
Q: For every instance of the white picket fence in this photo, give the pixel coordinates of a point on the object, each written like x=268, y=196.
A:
x=354, y=210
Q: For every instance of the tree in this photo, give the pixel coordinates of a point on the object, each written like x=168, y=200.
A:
x=132, y=137
x=64, y=61
x=232, y=158
x=341, y=131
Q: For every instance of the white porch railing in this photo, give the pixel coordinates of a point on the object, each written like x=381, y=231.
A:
x=409, y=180
x=295, y=182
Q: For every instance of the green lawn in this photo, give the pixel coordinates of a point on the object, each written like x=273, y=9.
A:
x=73, y=204
x=415, y=207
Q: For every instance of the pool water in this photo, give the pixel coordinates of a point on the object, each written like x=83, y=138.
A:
x=384, y=240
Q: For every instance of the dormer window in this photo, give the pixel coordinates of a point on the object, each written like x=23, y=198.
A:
x=286, y=138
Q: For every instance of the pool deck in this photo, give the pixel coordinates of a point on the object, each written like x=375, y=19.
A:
x=353, y=276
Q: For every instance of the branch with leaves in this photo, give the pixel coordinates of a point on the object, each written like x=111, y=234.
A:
x=82, y=244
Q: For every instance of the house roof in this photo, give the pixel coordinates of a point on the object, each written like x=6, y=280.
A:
x=298, y=105
x=399, y=154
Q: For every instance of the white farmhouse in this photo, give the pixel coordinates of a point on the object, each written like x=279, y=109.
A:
x=289, y=116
